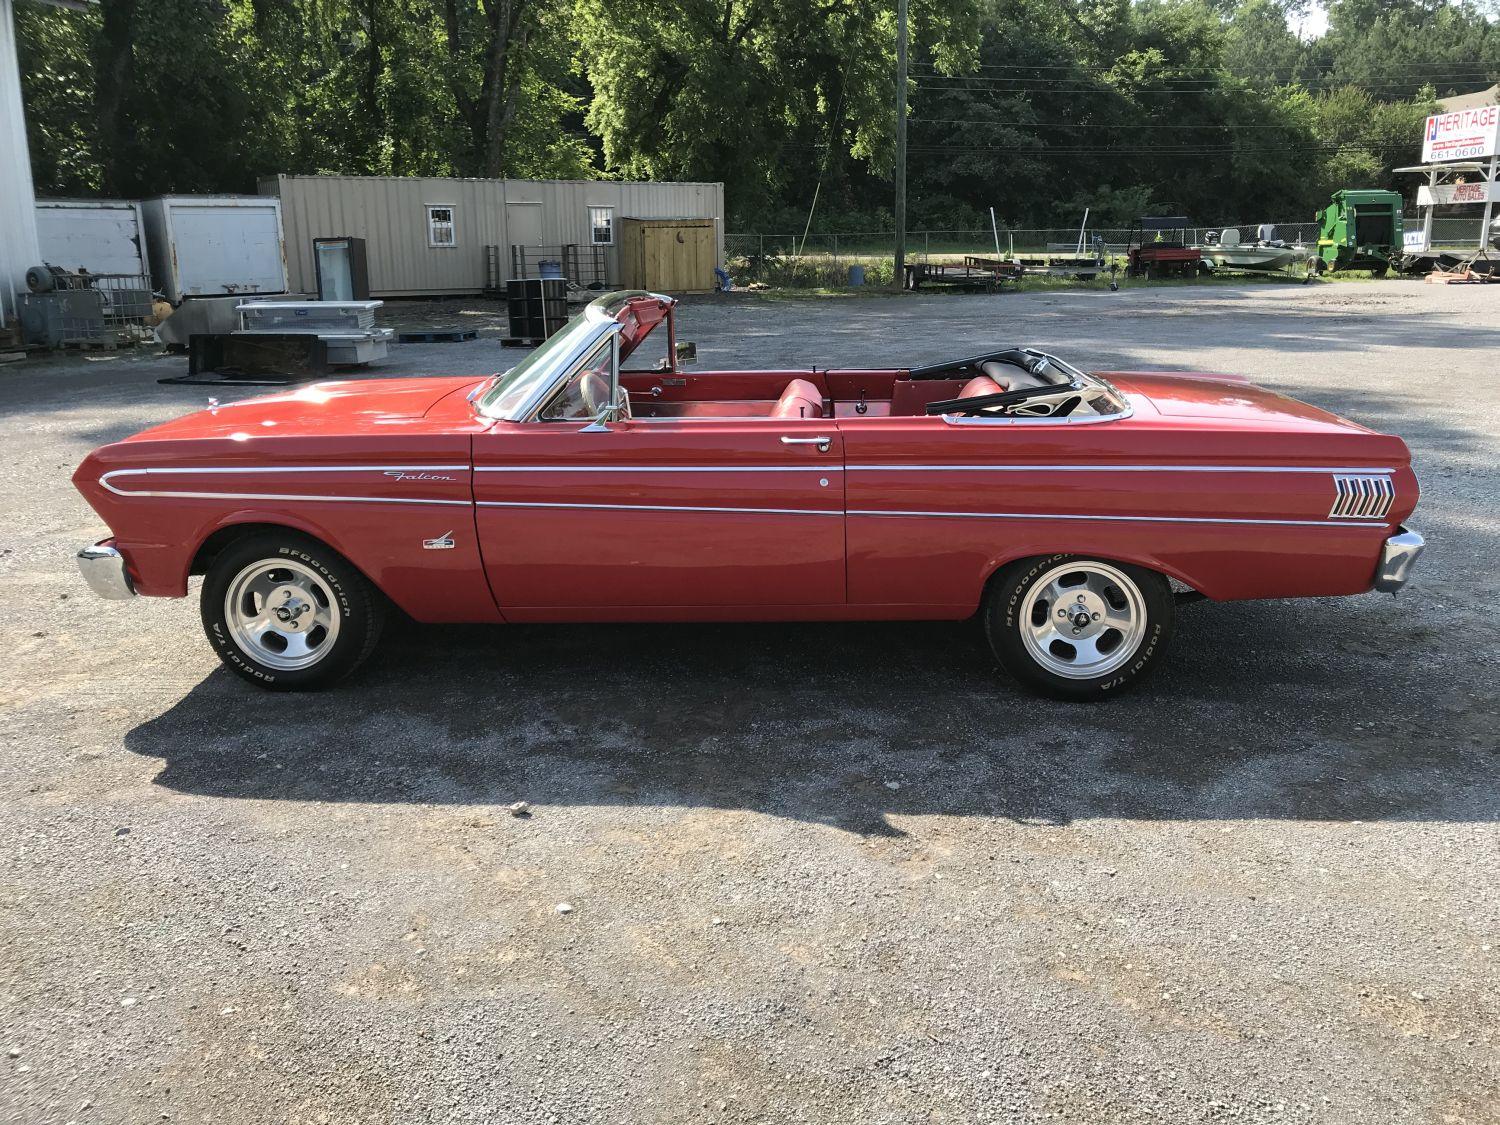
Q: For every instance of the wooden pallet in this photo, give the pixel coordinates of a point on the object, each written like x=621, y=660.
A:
x=522, y=341
x=437, y=336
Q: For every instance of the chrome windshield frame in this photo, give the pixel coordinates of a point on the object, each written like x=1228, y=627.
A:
x=602, y=325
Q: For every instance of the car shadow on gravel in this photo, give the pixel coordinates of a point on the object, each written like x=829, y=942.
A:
x=852, y=725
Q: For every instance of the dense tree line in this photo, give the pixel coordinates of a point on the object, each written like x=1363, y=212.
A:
x=1036, y=107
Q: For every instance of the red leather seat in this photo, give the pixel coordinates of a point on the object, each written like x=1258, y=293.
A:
x=800, y=400
x=980, y=385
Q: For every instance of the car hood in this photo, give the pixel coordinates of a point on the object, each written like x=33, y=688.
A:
x=1223, y=399
x=334, y=408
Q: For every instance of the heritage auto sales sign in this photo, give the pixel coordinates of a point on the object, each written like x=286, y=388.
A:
x=1465, y=134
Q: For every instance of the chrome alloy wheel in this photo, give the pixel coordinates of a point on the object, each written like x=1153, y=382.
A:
x=1081, y=620
x=281, y=614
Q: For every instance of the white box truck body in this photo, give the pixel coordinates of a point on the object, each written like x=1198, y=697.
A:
x=213, y=245
x=97, y=236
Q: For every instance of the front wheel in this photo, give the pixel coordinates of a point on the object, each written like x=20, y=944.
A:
x=1077, y=628
x=287, y=612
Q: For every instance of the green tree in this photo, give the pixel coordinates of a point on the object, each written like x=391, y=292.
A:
x=1038, y=108
x=762, y=94
x=1396, y=47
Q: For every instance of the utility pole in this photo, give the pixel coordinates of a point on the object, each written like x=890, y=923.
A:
x=900, y=277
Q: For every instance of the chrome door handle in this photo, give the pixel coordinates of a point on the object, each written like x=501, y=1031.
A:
x=823, y=443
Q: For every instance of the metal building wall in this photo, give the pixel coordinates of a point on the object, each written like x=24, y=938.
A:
x=389, y=213
x=18, y=241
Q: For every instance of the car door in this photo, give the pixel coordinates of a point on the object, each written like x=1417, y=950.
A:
x=660, y=517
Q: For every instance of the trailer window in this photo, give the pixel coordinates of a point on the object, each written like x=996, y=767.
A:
x=440, y=226
x=602, y=226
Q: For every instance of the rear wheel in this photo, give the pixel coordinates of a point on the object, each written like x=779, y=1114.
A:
x=287, y=612
x=1075, y=627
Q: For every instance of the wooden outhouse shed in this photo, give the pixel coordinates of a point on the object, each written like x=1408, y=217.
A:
x=668, y=255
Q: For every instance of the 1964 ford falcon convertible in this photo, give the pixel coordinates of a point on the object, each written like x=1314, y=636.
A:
x=1071, y=511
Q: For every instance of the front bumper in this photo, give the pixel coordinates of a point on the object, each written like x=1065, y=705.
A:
x=1397, y=559
x=104, y=570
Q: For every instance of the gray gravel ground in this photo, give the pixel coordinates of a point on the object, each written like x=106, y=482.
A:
x=818, y=873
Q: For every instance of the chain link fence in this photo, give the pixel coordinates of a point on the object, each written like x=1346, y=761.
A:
x=824, y=260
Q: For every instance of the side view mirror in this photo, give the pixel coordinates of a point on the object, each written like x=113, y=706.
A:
x=614, y=412
x=687, y=352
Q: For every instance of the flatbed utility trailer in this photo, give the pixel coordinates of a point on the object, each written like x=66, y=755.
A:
x=1167, y=254
x=975, y=273
x=1066, y=260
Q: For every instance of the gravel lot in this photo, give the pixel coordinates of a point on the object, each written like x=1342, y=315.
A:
x=818, y=873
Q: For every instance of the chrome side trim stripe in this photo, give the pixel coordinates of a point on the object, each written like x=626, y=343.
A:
x=106, y=481
x=288, y=496
x=814, y=468
x=660, y=508
x=822, y=468
x=1125, y=519
x=1109, y=469
x=200, y=469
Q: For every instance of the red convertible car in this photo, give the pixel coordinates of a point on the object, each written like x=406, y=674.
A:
x=1071, y=510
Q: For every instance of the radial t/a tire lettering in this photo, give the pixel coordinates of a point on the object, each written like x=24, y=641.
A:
x=287, y=612
x=1077, y=628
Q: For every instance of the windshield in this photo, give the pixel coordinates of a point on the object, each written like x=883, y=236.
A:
x=540, y=370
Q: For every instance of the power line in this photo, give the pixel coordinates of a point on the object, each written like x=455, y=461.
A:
x=1086, y=124
x=1138, y=92
x=1442, y=70
x=1049, y=151
x=1025, y=85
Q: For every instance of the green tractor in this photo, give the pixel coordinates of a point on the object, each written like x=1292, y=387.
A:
x=1359, y=230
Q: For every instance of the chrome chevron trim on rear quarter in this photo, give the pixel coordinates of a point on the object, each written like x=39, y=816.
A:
x=1361, y=497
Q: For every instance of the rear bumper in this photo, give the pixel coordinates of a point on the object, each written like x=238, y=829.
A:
x=1397, y=558
x=103, y=568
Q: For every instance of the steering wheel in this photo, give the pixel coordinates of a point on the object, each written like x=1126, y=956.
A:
x=593, y=389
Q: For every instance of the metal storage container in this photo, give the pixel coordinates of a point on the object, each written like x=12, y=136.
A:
x=215, y=244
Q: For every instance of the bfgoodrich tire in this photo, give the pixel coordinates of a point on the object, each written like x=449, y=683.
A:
x=1078, y=628
x=287, y=612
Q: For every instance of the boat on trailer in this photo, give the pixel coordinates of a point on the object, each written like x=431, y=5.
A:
x=1264, y=256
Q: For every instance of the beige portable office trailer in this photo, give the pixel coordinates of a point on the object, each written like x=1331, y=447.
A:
x=433, y=236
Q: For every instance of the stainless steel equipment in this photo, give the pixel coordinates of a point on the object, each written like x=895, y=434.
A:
x=347, y=327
